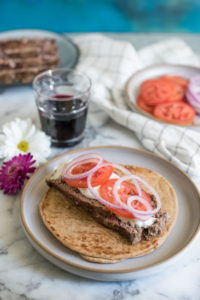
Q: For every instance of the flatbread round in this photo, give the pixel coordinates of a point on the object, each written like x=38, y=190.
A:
x=77, y=230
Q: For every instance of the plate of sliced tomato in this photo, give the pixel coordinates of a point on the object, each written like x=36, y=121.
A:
x=159, y=92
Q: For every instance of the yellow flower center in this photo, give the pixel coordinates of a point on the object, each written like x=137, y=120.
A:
x=23, y=146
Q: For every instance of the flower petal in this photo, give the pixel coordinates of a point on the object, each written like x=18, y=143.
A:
x=18, y=131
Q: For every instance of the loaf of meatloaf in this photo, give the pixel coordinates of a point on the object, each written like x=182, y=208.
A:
x=22, y=59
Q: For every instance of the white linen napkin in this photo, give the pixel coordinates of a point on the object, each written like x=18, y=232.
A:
x=109, y=63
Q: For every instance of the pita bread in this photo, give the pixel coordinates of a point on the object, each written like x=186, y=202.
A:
x=78, y=231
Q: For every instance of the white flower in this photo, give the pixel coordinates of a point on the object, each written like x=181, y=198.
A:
x=21, y=136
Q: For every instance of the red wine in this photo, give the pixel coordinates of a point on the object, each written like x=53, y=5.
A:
x=64, y=120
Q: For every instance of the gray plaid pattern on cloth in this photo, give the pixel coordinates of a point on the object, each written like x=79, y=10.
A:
x=109, y=63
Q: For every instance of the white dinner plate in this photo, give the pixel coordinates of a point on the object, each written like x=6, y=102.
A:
x=132, y=87
x=179, y=240
x=67, y=50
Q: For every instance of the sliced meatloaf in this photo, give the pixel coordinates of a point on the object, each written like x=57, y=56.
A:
x=107, y=218
x=23, y=58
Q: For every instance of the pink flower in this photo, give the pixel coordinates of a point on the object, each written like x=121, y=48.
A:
x=14, y=172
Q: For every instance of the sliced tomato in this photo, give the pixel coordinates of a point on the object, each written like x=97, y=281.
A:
x=156, y=91
x=159, y=90
x=82, y=168
x=148, y=82
x=144, y=106
x=98, y=178
x=127, y=189
x=175, y=112
x=178, y=93
x=177, y=79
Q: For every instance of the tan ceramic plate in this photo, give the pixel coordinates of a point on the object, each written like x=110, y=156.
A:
x=133, y=84
x=181, y=237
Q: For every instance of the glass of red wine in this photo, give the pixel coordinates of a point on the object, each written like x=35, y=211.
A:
x=62, y=97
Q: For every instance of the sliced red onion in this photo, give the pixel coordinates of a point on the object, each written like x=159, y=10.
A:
x=134, y=211
x=82, y=159
x=194, y=105
x=126, y=172
x=194, y=90
x=193, y=101
x=153, y=191
x=98, y=197
x=192, y=95
x=92, y=157
x=195, y=84
x=195, y=80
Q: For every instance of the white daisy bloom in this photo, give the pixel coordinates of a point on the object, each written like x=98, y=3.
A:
x=21, y=136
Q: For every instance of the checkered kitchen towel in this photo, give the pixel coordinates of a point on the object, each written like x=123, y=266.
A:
x=109, y=63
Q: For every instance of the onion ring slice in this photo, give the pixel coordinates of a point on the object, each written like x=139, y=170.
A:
x=85, y=158
x=153, y=191
x=126, y=172
x=97, y=196
x=135, y=211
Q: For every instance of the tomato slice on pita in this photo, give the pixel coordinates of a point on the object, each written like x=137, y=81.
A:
x=127, y=189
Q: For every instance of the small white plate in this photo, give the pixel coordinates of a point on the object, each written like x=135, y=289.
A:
x=133, y=84
x=181, y=237
x=67, y=50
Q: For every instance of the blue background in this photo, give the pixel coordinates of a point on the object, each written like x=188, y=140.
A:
x=101, y=15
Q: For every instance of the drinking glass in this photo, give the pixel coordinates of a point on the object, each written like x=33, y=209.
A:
x=62, y=97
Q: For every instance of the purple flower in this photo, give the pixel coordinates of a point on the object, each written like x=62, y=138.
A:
x=14, y=172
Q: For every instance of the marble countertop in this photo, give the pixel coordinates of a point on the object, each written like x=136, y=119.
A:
x=26, y=275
